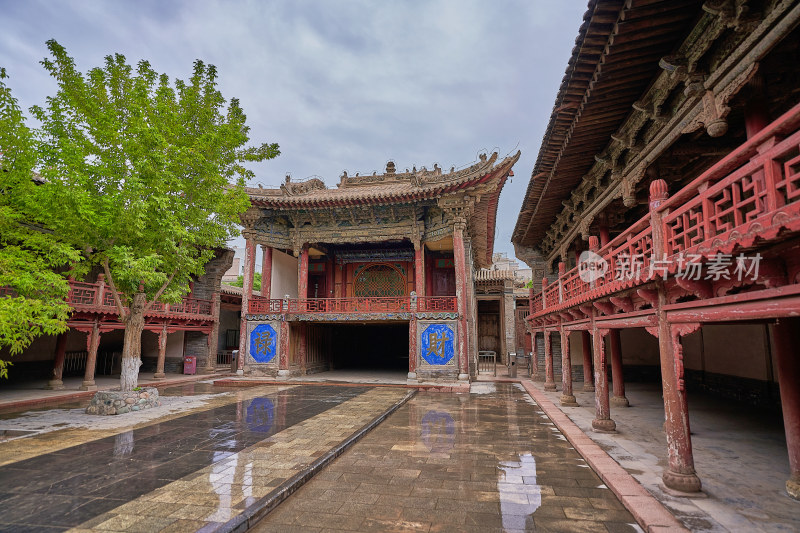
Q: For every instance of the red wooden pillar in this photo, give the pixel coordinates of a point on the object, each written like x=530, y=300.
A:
x=92, y=343
x=567, y=398
x=412, y=347
x=419, y=268
x=283, y=361
x=549, y=378
x=302, y=347
x=602, y=421
x=302, y=273
x=586, y=344
x=247, y=292
x=162, y=353
x=58, y=364
x=460, y=260
x=213, y=337
x=618, y=388
x=785, y=345
x=266, y=271
x=680, y=473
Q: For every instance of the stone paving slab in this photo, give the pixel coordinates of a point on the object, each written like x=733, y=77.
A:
x=647, y=510
x=226, y=494
x=486, y=462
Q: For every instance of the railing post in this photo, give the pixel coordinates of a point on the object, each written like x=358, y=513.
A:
x=544, y=294
x=562, y=269
x=594, y=247
x=101, y=286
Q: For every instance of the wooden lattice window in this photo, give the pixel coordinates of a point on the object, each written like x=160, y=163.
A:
x=379, y=280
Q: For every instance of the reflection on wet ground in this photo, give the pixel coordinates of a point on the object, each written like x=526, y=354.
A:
x=457, y=462
x=70, y=486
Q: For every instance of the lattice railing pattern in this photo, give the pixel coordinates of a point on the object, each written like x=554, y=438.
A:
x=750, y=194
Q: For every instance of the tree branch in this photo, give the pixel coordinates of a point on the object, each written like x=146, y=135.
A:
x=117, y=299
x=161, y=290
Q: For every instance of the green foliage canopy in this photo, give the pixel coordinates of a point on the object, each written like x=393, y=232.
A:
x=32, y=302
x=146, y=178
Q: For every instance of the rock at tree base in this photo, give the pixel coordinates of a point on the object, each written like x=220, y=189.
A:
x=118, y=402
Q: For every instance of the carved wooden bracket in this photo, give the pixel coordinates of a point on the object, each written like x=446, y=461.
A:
x=623, y=302
x=700, y=288
x=649, y=295
x=605, y=307
x=586, y=309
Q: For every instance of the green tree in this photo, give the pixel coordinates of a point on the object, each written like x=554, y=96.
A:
x=147, y=178
x=32, y=292
x=240, y=281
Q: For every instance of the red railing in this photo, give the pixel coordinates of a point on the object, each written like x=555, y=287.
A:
x=88, y=296
x=351, y=305
x=735, y=202
x=436, y=303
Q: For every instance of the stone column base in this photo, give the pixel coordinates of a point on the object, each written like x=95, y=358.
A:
x=55, y=384
x=550, y=387
x=88, y=385
x=412, y=375
x=793, y=486
x=567, y=400
x=684, y=483
x=283, y=374
x=240, y=372
x=588, y=388
x=463, y=377
x=620, y=401
x=159, y=375
x=604, y=425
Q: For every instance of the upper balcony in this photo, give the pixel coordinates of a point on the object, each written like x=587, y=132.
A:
x=398, y=304
x=747, y=199
x=97, y=297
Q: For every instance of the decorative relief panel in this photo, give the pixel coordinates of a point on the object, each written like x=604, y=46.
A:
x=263, y=344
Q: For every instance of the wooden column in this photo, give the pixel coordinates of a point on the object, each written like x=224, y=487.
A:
x=586, y=344
x=302, y=347
x=785, y=346
x=247, y=292
x=680, y=473
x=92, y=343
x=162, y=353
x=602, y=421
x=419, y=268
x=213, y=337
x=618, y=398
x=412, y=346
x=283, y=361
x=549, y=378
x=58, y=364
x=460, y=260
x=302, y=273
x=266, y=271
x=567, y=398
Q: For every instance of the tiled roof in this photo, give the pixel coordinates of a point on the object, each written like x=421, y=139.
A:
x=391, y=187
x=486, y=274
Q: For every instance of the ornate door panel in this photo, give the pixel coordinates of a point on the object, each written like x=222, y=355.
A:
x=379, y=280
x=489, y=332
x=444, y=282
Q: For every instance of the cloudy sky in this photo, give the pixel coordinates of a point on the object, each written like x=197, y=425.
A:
x=339, y=84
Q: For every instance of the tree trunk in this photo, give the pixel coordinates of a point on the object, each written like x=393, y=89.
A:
x=132, y=347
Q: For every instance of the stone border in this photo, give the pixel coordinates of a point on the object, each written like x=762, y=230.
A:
x=69, y=396
x=255, y=512
x=428, y=387
x=648, y=511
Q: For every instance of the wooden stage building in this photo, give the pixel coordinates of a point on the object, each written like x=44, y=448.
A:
x=662, y=213
x=377, y=272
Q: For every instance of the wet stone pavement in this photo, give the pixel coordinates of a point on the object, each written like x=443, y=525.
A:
x=483, y=462
x=185, y=473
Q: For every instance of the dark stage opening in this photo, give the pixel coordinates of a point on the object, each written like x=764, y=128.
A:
x=370, y=346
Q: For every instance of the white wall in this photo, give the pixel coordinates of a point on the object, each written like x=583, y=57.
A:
x=284, y=275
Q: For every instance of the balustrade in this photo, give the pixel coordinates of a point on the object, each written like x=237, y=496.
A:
x=751, y=193
x=352, y=305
